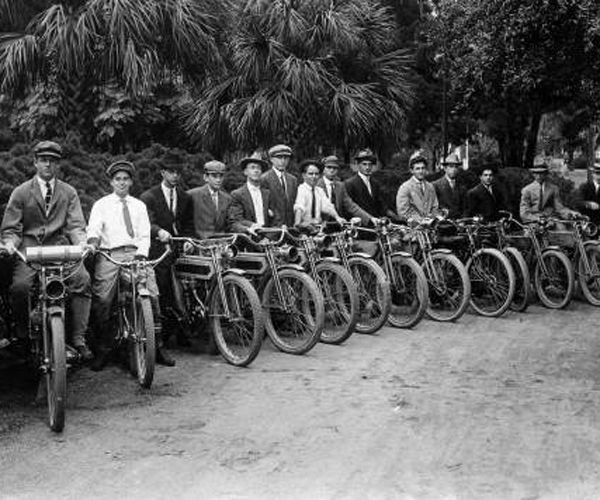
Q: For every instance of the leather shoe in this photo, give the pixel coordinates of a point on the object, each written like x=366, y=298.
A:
x=163, y=357
x=84, y=352
x=100, y=361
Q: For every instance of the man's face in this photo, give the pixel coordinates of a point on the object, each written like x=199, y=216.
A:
x=539, y=177
x=365, y=167
x=253, y=172
x=311, y=175
x=280, y=162
x=46, y=166
x=121, y=183
x=330, y=173
x=451, y=170
x=596, y=176
x=214, y=180
x=171, y=178
x=487, y=176
x=419, y=170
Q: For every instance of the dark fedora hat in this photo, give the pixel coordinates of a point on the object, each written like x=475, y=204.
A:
x=253, y=158
x=365, y=155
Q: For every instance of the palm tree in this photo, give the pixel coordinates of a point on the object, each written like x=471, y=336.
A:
x=315, y=73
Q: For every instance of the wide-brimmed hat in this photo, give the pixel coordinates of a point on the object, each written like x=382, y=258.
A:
x=280, y=150
x=365, y=155
x=253, y=158
x=120, y=166
x=172, y=160
x=416, y=157
x=452, y=159
x=539, y=168
x=214, y=167
x=48, y=148
x=331, y=161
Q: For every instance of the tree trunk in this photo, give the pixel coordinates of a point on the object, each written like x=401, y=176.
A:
x=532, y=136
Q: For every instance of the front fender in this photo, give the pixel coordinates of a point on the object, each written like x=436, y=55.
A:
x=290, y=265
x=333, y=260
x=56, y=311
x=438, y=251
x=362, y=255
x=402, y=253
x=234, y=270
x=553, y=247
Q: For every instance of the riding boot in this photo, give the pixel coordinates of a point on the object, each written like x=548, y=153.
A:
x=162, y=355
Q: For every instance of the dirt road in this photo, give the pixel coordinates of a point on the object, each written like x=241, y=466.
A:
x=503, y=408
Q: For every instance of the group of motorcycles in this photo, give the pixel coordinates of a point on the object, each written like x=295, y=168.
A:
x=304, y=287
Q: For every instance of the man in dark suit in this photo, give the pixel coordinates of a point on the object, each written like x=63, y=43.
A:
x=171, y=213
x=365, y=193
x=588, y=196
x=210, y=202
x=485, y=199
x=252, y=205
x=337, y=194
x=46, y=211
x=282, y=185
x=450, y=194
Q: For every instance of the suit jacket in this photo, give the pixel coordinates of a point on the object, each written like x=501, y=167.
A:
x=26, y=224
x=182, y=223
x=481, y=202
x=411, y=203
x=209, y=219
x=284, y=208
x=585, y=194
x=344, y=205
x=531, y=209
x=452, y=199
x=241, y=214
x=374, y=203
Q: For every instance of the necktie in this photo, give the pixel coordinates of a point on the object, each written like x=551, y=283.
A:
x=540, y=202
x=215, y=197
x=313, y=205
x=422, y=188
x=171, y=200
x=283, y=185
x=48, y=198
x=127, y=218
x=368, y=183
x=332, y=193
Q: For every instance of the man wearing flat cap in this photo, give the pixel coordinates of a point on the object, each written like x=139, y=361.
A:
x=588, y=196
x=416, y=198
x=541, y=198
x=171, y=213
x=337, y=194
x=210, y=202
x=46, y=211
x=450, y=194
x=363, y=191
x=485, y=200
x=119, y=224
x=282, y=185
x=252, y=205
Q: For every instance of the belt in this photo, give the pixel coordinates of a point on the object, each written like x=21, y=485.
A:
x=124, y=248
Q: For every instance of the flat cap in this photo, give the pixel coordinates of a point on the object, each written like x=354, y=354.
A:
x=365, y=155
x=416, y=157
x=48, y=148
x=214, y=167
x=452, y=159
x=331, y=161
x=254, y=158
x=120, y=166
x=280, y=150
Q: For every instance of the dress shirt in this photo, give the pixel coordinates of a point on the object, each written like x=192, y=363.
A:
x=304, y=203
x=167, y=192
x=451, y=182
x=257, y=201
x=367, y=182
x=329, y=187
x=108, y=225
x=42, y=184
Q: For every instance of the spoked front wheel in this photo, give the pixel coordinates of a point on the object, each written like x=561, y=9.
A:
x=589, y=278
x=56, y=372
x=553, y=279
x=374, y=296
x=294, y=321
x=492, y=282
x=409, y=292
x=142, y=346
x=449, y=287
x=237, y=320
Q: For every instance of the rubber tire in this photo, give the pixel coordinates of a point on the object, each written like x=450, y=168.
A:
x=250, y=303
x=504, y=263
x=56, y=376
x=453, y=261
x=383, y=302
x=420, y=292
x=310, y=291
x=143, y=353
x=593, y=297
x=331, y=333
x=522, y=295
x=567, y=267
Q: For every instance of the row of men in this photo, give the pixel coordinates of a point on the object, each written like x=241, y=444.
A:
x=47, y=211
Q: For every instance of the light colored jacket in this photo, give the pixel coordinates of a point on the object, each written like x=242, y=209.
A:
x=411, y=203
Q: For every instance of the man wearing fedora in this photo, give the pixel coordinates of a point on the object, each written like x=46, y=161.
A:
x=337, y=194
x=210, y=202
x=171, y=213
x=363, y=191
x=485, y=199
x=588, y=196
x=416, y=198
x=282, y=185
x=450, y=193
x=119, y=224
x=46, y=211
x=541, y=198
x=252, y=205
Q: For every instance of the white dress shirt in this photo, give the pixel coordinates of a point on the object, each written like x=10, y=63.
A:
x=167, y=192
x=367, y=182
x=328, y=187
x=42, y=184
x=257, y=201
x=108, y=225
x=304, y=204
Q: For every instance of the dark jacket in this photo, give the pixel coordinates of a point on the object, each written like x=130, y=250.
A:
x=241, y=215
x=481, y=202
x=373, y=204
x=284, y=208
x=454, y=200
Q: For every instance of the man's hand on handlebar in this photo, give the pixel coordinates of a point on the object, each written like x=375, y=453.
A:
x=163, y=236
x=8, y=248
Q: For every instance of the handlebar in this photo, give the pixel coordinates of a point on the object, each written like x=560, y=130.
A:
x=133, y=262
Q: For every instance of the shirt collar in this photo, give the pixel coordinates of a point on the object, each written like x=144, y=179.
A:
x=42, y=182
x=364, y=177
x=252, y=187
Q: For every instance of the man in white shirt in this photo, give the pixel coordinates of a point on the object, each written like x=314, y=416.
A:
x=119, y=224
x=312, y=201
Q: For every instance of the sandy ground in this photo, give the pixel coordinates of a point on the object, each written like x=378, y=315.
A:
x=504, y=408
